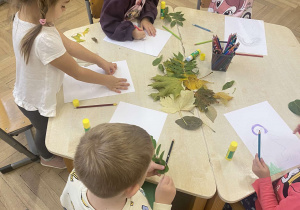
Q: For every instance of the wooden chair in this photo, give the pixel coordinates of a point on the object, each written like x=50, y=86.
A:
x=12, y=123
x=93, y=8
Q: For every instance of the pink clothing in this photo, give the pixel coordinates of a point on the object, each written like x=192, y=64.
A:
x=284, y=196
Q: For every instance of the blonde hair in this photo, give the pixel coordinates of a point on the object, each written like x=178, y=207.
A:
x=28, y=39
x=112, y=157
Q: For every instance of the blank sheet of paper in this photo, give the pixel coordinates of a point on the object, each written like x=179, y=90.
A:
x=75, y=89
x=151, y=120
x=150, y=45
x=250, y=34
x=279, y=146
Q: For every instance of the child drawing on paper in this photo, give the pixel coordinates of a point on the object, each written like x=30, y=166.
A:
x=237, y=8
x=280, y=195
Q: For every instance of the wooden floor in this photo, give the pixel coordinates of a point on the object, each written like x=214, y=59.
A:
x=37, y=187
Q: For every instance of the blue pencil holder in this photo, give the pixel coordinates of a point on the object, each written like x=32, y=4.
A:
x=220, y=62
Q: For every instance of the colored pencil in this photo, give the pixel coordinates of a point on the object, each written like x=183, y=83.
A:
x=169, y=153
x=138, y=28
x=98, y=105
x=172, y=32
x=244, y=54
x=202, y=27
x=203, y=42
x=259, y=144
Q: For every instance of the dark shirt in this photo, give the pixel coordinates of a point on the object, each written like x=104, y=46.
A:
x=112, y=17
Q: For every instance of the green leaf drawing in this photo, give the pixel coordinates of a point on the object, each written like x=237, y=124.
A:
x=166, y=86
x=157, y=61
x=211, y=113
x=274, y=169
x=294, y=106
x=189, y=122
x=228, y=85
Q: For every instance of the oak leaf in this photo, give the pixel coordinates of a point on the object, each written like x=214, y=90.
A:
x=166, y=86
x=224, y=97
x=185, y=102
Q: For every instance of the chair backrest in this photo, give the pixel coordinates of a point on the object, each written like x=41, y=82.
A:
x=11, y=118
x=96, y=7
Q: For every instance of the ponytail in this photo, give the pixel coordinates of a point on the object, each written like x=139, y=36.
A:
x=28, y=39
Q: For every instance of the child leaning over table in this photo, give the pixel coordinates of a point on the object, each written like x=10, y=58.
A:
x=111, y=163
x=283, y=194
x=116, y=16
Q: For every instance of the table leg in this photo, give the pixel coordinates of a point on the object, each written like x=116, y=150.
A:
x=69, y=164
x=215, y=203
x=199, y=203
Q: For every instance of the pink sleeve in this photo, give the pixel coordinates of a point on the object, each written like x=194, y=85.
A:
x=267, y=200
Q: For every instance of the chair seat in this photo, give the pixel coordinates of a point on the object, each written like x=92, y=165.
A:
x=11, y=118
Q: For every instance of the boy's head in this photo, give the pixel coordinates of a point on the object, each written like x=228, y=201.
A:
x=112, y=157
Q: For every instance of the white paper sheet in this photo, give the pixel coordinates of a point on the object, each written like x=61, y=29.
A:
x=250, y=34
x=150, y=45
x=74, y=89
x=151, y=120
x=279, y=146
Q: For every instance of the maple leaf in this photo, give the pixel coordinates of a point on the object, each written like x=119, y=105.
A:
x=166, y=86
x=193, y=83
x=185, y=102
x=224, y=97
x=204, y=97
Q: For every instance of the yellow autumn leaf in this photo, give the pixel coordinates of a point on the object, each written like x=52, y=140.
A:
x=185, y=102
x=85, y=31
x=77, y=38
x=224, y=97
x=193, y=83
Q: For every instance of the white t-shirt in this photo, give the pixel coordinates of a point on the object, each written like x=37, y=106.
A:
x=74, y=198
x=37, y=82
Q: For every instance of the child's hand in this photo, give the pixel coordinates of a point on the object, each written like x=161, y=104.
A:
x=109, y=67
x=260, y=168
x=153, y=167
x=116, y=84
x=165, y=191
x=136, y=34
x=146, y=24
x=297, y=129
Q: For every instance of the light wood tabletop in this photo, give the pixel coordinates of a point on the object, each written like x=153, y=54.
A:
x=189, y=162
x=274, y=78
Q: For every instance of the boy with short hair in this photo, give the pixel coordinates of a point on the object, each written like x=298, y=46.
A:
x=111, y=162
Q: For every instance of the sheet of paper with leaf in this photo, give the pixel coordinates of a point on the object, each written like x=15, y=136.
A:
x=294, y=106
x=166, y=86
x=185, y=102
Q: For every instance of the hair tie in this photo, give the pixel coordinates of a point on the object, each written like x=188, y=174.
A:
x=42, y=21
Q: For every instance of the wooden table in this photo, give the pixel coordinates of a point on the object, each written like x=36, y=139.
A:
x=274, y=78
x=189, y=162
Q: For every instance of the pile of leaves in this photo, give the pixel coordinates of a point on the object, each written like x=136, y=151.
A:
x=174, y=18
x=180, y=89
x=158, y=158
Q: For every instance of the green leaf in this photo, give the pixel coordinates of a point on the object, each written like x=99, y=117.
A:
x=166, y=10
x=228, y=85
x=162, y=162
x=157, y=150
x=161, y=67
x=173, y=23
x=189, y=122
x=294, y=106
x=204, y=97
x=153, y=142
x=161, y=155
x=166, y=86
x=179, y=23
x=157, y=61
x=168, y=18
x=211, y=113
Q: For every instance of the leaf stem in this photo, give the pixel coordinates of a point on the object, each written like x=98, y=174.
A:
x=207, y=75
x=209, y=127
x=182, y=117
